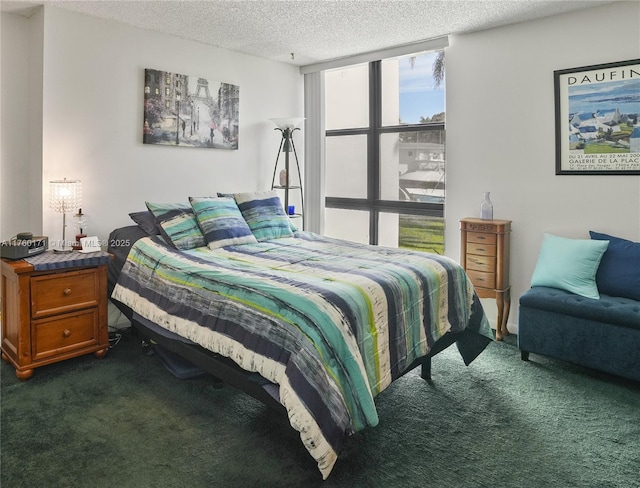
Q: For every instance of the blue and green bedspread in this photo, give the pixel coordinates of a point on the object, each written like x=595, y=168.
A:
x=331, y=322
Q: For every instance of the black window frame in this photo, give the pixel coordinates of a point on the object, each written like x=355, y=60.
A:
x=373, y=203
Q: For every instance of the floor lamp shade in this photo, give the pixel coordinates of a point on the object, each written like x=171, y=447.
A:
x=288, y=122
x=65, y=196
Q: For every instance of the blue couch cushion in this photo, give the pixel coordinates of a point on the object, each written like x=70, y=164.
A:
x=619, y=271
x=611, y=310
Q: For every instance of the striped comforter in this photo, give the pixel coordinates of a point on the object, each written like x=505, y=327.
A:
x=331, y=322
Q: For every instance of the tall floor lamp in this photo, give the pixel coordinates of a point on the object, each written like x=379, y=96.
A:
x=287, y=126
x=65, y=196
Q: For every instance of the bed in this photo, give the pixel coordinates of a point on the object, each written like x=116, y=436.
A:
x=313, y=326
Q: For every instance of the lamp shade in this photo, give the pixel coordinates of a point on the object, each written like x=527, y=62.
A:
x=288, y=122
x=65, y=195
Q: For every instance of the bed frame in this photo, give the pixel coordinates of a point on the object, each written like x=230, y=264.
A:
x=227, y=371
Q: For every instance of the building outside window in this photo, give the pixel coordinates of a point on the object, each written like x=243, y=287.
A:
x=385, y=153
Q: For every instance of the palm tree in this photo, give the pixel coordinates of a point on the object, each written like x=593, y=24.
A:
x=438, y=68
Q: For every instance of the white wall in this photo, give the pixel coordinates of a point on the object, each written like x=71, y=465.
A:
x=15, y=69
x=501, y=134
x=92, y=117
x=20, y=180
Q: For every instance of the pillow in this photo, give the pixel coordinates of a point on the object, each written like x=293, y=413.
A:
x=178, y=224
x=291, y=224
x=569, y=264
x=221, y=222
x=265, y=215
x=619, y=271
x=146, y=221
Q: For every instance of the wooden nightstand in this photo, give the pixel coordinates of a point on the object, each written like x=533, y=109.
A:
x=54, y=307
x=484, y=254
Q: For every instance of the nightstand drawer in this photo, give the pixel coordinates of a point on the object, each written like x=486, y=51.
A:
x=481, y=263
x=63, y=333
x=481, y=238
x=64, y=292
x=481, y=249
x=481, y=279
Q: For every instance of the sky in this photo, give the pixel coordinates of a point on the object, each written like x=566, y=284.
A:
x=418, y=97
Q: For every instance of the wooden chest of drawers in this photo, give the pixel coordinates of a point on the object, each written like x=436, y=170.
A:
x=484, y=255
x=49, y=316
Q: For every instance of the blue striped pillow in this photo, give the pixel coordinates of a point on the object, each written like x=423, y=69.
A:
x=264, y=213
x=221, y=221
x=178, y=224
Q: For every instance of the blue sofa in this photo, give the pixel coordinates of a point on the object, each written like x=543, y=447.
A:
x=601, y=334
x=584, y=304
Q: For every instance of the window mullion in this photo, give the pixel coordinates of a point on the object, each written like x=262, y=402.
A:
x=373, y=169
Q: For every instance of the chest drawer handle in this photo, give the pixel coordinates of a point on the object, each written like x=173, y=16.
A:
x=66, y=333
x=67, y=291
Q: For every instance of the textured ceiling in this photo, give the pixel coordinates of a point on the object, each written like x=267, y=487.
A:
x=313, y=30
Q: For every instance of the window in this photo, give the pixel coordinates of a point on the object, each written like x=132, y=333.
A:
x=385, y=152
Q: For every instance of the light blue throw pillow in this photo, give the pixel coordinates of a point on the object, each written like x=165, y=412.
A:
x=569, y=264
x=221, y=222
x=177, y=223
x=264, y=213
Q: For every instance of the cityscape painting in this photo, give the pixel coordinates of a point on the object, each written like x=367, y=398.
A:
x=598, y=119
x=189, y=111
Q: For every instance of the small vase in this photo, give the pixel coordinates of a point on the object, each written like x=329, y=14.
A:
x=486, y=207
x=283, y=178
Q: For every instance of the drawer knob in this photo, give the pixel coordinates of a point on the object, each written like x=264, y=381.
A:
x=66, y=333
x=67, y=291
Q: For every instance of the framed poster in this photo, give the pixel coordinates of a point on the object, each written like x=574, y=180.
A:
x=598, y=119
x=189, y=111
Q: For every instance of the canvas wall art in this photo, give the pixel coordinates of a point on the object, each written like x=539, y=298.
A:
x=598, y=119
x=189, y=111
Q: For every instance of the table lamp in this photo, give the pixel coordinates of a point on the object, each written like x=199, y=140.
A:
x=64, y=196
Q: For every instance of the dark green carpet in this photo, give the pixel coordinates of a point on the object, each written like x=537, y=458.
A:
x=124, y=421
